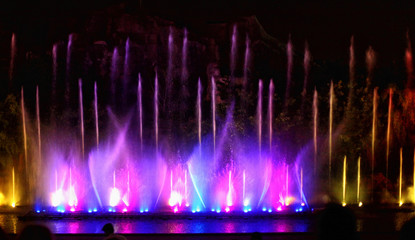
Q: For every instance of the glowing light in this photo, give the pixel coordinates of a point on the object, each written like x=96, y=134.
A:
x=193, y=211
x=227, y=209
x=115, y=197
x=176, y=209
x=14, y=190
x=72, y=209
x=302, y=204
x=279, y=209
x=270, y=210
x=141, y=211
x=124, y=210
x=344, y=180
x=358, y=180
x=57, y=198
x=343, y=204
x=89, y=211
x=198, y=210
x=125, y=199
x=246, y=202
x=400, y=179
x=95, y=210
x=245, y=210
x=146, y=210
x=360, y=204
x=175, y=198
x=288, y=201
x=73, y=200
x=264, y=209
x=218, y=210
x=229, y=201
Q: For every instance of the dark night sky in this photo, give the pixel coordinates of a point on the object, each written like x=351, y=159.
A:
x=326, y=25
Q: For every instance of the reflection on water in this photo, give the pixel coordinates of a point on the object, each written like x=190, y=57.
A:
x=387, y=222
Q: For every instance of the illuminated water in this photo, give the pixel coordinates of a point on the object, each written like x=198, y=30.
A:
x=381, y=222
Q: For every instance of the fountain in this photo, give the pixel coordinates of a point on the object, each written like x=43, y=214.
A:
x=315, y=123
x=222, y=166
x=331, y=128
x=13, y=52
x=344, y=180
x=358, y=183
x=388, y=131
x=375, y=96
x=400, y=177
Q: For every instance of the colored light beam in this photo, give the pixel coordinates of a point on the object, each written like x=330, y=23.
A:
x=195, y=186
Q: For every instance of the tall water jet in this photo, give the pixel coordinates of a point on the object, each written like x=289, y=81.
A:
x=244, y=188
x=370, y=64
x=126, y=69
x=185, y=73
x=306, y=63
x=213, y=114
x=184, y=92
x=259, y=116
x=234, y=54
x=39, y=142
x=351, y=79
x=81, y=116
x=409, y=63
x=24, y=130
x=140, y=112
x=96, y=113
x=229, y=198
x=413, y=179
x=199, y=115
x=68, y=67
x=287, y=202
x=290, y=60
x=400, y=177
x=344, y=181
x=375, y=96
x=315, y=123
x=54, y=70
x=114, y=72
x=270, y=115
x=13, y=189
x=301, y=187
x=358, y=183
x=169, y=84
x=156, y=111
x=388, y=131
x=246, y=61
x=13, y=53
x=331, y=128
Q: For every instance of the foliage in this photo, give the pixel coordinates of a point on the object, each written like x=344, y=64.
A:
x=10, y=130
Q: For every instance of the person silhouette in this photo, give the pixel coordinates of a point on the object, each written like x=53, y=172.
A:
x=108, y=230
x=35, y=232
x=408, y=230
x=3, y=235
x=337, y=222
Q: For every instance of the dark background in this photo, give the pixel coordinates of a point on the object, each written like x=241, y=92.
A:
x=327, y=25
